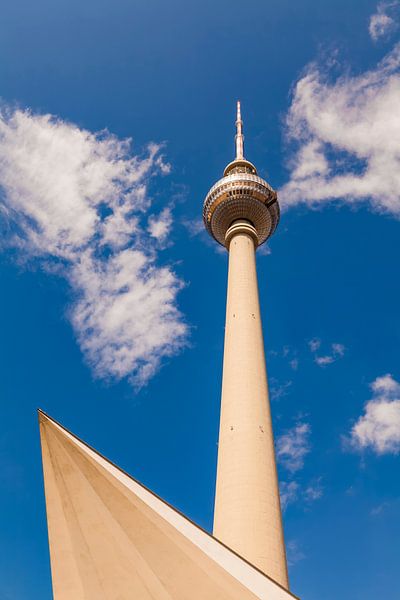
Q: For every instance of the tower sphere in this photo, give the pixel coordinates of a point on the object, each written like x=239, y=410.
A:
x=241, y=195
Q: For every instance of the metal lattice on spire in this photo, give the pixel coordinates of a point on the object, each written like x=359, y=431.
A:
x=239, y=134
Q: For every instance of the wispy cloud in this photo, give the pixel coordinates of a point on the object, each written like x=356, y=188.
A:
x=379, y=509
x=289, y=354
x=79, y=202
x=293, y=445
x=294, y=553
x=159, y=226
x=289, y=491
x=336, y=351
x=292, y=492
x=314, y=491
x=384, y=21
x=264, y=250
x=345, y=133
x=195, y=227
x=314, y=344
x=279, y=390
x=291, y=449
x=378, y=428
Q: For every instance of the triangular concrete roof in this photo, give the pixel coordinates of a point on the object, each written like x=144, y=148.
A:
x=112, y=539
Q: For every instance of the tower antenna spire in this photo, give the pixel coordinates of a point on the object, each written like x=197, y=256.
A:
x=239, y=134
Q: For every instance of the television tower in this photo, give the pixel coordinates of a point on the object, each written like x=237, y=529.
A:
x=241, y=212
x=109, y=536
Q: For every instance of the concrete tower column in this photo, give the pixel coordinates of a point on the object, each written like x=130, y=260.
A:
x=247, y=508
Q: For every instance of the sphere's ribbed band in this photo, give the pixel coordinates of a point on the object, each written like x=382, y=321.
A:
x=241, y=196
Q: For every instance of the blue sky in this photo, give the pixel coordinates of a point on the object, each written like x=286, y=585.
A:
x=113, y=298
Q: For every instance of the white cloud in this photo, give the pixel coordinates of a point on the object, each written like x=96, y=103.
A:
x=337, y=351
x=78, y=202
x=294, y=553
x=293, y=446
x=159, y=226
x=346, y=137
x=194, y=227
x=322, y=361
x=383, y=22
x=380, y=24
x=313, y=491
x=290, y=354
x=379, y=427
x=291, y=449
x=385, y=386
x=292, y=492
x=264, y=250
x=289, y=491
x=279, y=390
x=314, y=344
x=379, y=509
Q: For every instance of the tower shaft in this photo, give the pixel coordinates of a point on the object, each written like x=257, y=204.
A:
x=247, y=508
